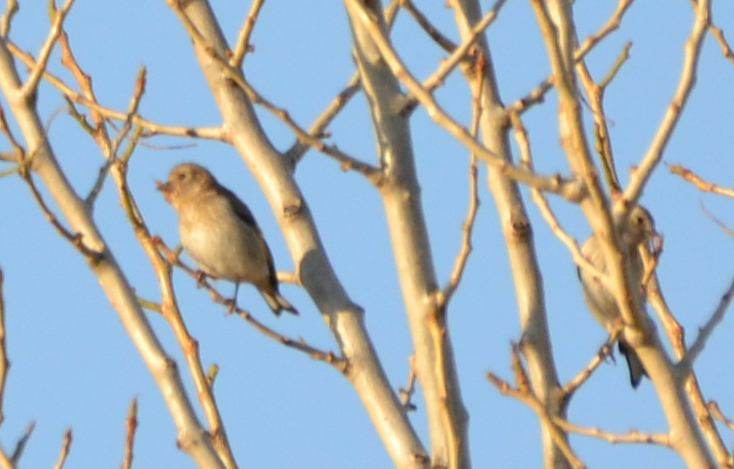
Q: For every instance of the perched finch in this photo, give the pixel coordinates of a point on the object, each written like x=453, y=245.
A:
x=635, y=230
x=220, y=233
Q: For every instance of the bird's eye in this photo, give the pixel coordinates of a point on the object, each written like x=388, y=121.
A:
x=181, y=176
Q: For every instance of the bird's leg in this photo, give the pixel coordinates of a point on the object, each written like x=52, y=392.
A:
x=200, y=278
x=232, y=303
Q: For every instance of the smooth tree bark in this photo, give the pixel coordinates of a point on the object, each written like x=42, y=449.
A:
x=392, y=93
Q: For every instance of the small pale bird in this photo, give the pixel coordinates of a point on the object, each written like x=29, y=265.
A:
x=220, y=233
x=636, y=229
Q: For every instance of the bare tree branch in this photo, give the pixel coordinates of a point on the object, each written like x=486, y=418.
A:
x=19, y=448
x=685, y=365
x=65, y=447
x=243, y=45
x=566, y=188
x=691, y=57
x=699, y=182
x=131, y=425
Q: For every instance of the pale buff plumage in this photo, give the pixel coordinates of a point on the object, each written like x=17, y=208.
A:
x=220, y=233
x=636, y=229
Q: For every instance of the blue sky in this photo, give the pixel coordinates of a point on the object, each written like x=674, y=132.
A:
x=74, y=366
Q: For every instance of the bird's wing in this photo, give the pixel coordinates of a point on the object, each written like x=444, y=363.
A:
x=240, y=209
x=246, y=216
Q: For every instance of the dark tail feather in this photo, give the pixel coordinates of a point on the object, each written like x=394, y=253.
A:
x=277, y=303
x=637, y=371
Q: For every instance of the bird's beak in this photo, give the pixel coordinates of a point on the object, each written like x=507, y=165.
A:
x=654, y=240
x=166, y=188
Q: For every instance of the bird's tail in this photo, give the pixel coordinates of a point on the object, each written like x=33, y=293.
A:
x=277, y=303
x=637, y=371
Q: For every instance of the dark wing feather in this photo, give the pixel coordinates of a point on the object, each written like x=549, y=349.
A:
x=244, y=214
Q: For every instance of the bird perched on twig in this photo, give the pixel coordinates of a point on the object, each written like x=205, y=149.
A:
x=220, y=233
x=637, y=228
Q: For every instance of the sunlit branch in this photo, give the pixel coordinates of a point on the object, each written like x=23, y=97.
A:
x=570, y=189
x=7, y=17
x=131, y=425
x=595, y=93
x=65, y=447
x=319, y=125
x=537, y=95
x=524, y=393
x=297, y=344
x=633, y=436
x=676, y=336
x=243, y=46
x=347, y=162
x=718, y=34
x=692, y=54
x=406, y=393
x=114, y=145
x=719, y=415
x=459, y=53
x=29, y=88
x=444, y=42
x=169, y=308
x=466, y=240
x=212, y=133
x=699, y=182
x=612, y=24
x=605, y=351
x=521, y=137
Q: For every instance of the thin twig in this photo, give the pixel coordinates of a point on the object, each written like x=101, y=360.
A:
x=18, y=153
x=7, y=19
x=20, y=445
x=676, y=336
x=699, y=182
x=718, y=34
x=721, y=224
x=459, y=53
x=466, y=240
x=605, y=351
x=691, y=58
x=524, y=393
x=3, y=351
x=347, y=162
x=406, y=393
x=537, y=95
x=595, y=93
x=29, y=88
x=153, y=128
x=243, y=46
x=684, y=366
x=297, y=344
x=719, y=415
x=526, y=158
x=612, y=24
x=92, y=256
x=445, y=43
x=65, y=447
x=170, y=311
x=633, y=436
x=131, y=425
x=572, y=189
x=319, y=125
